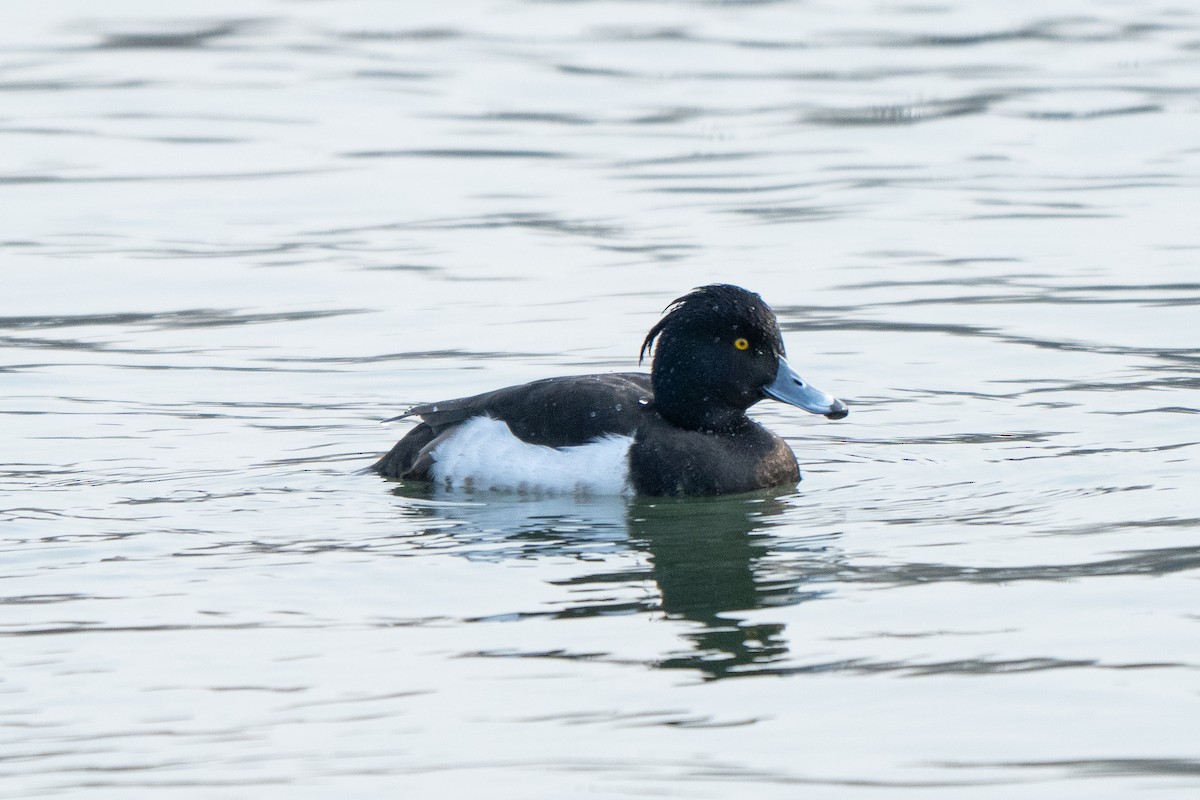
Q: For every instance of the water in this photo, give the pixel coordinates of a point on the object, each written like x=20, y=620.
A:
x=236, y=235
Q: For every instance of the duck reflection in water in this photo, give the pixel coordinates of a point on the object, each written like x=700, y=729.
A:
x=707, y=558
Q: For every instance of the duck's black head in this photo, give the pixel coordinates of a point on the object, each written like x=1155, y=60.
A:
x=718, y=352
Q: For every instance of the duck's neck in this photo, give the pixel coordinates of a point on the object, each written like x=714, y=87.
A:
x=700, y=414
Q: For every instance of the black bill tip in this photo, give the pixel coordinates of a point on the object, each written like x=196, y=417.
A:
x=839, y=411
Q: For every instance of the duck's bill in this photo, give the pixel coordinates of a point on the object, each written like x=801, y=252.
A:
x=788, y=387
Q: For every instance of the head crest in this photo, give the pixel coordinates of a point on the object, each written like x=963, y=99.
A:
x=714, y=306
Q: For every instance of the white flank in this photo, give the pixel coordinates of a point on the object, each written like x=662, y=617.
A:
x=482, y=453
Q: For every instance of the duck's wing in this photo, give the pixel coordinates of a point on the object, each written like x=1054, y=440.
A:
x=450, y=412
x=555, y=412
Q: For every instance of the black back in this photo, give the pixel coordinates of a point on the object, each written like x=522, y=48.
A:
x=556, y=412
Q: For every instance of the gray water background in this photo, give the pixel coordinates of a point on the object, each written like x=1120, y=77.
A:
x=233, y=236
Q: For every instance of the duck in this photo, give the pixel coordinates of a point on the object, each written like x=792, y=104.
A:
x=681, y=430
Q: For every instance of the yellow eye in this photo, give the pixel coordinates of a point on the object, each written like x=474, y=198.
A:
x=741, y=343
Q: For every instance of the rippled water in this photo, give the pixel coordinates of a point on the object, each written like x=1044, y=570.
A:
x=235, y=235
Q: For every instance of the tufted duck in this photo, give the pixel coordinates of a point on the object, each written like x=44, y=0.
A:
x=681, y=430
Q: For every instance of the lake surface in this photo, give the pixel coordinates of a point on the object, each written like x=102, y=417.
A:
x=234, y=236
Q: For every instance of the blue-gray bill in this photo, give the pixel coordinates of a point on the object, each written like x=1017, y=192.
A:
x=788, y=387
